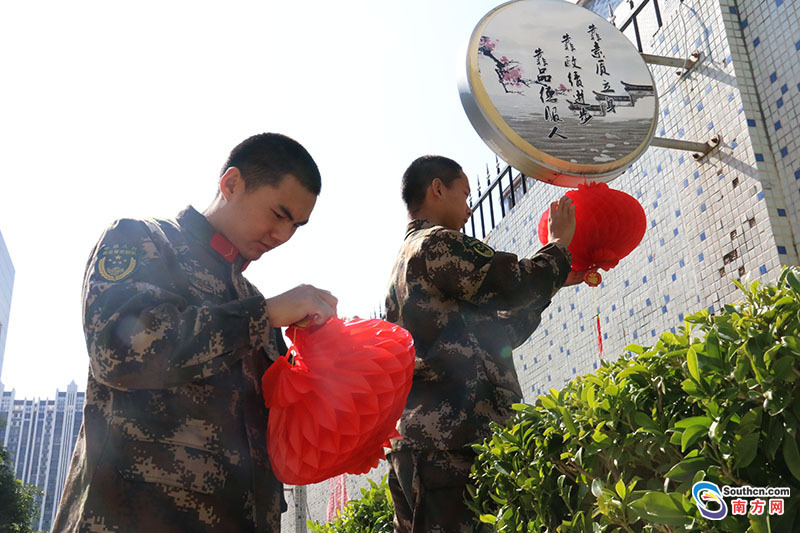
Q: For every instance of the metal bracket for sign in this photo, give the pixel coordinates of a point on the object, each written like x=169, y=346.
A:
x=684, y=65
x=700, y=150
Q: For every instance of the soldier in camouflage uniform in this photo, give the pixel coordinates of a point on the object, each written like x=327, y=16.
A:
x=466, y=306
x=174, y=428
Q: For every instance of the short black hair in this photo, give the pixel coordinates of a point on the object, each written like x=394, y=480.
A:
x=266, y=158
x=419, y=175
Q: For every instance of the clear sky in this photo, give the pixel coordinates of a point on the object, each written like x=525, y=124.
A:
x=113, y=109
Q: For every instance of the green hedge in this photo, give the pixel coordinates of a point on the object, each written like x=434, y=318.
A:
x=372, y=513
x=620, y=450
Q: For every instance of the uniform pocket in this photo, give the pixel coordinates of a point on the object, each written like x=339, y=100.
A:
x=185, y=456
x=171, y=464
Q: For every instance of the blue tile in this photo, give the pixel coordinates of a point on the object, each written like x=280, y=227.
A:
x=653, y=223
x=681, y=132
x=613, y=307
x=743, y=23
x=778, y=2
x=778, y=125
x=682, y=263
x=675, y=232
x=662, y=242
x=696, y=174
x=784, y=89
x=648, y=302
x=703, y=207
x=784, y=151
x=700, y=106
x=685, y=183
x=644, y=279
x=797, y=45
x=686, y=101
x=635, y=334
x=751, y=122
x=699, y=191
x=702, y=236
x=666, y=111
x=631, y=312
x=756, y=41
x=797, y=174
x=680, y=160
x=652, y=333
x=700, y=257
x=655, y=204
x=674, y=277
x=782, y=250
x=773, y=77
x=733, y=10
x=734, y=144
x=666, y=298
x=760, y=158
x=779, y=103
x=649, y=258
x=763, y=269
x=663, y=308
x=781, y=212
x=730, y=96
x=710, y=125
x=627, y=282
x=658, y=168
x=675, y=49
x=760, y=195
x=678, y=212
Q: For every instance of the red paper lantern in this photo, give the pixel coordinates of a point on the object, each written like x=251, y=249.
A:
x=334, y=408
x=610, y=224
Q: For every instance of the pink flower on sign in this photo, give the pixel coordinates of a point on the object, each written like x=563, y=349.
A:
x=509, y=74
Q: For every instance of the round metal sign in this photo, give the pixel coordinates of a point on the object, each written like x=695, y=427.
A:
x=558, y=92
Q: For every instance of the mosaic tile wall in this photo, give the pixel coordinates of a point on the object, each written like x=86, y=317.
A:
x=724, y=217
x=729, y=216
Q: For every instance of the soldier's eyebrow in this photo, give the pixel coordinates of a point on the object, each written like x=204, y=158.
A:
x=288, y=214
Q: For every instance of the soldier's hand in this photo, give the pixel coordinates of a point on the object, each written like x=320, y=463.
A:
x=304, y=303
x=561, y=221
x=575, y=278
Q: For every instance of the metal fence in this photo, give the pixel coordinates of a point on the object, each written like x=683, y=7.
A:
x=500, y=196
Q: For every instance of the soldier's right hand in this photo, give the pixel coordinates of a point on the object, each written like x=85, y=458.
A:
x=304, y=303
x=561, y=221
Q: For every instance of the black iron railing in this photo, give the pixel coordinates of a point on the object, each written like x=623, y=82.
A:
x=633, y=19
x=500, y=196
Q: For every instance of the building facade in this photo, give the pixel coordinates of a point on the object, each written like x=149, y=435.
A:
x=40, y=437
x=731, y=215
x=6, y=286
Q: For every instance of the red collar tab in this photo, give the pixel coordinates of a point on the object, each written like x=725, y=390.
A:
x=224, y=247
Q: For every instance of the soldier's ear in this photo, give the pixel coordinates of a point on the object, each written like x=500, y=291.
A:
x=230, y=183
x=436, y=187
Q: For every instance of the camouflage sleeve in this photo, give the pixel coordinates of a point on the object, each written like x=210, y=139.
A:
x=140, y=330
x=465, y=268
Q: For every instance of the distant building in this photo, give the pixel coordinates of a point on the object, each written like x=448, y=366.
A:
x=40, y=436
x=6, y=284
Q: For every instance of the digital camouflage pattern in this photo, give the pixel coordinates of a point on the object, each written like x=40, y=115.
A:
x=428, y=489
x=466, y=306
x=174, y=427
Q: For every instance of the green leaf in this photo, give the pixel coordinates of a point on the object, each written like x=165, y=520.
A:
x=694, y=421
x=794, y=281
x=488, y=519
x=621, y=489
x=687, y=469
x=745, y=450
x=635, y=348
x=597, y=487
x=662, y=508
x=691, y=361
x=791, y=455
x=691, y=434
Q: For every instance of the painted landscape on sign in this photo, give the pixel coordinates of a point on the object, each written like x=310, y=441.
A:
x=581, y=94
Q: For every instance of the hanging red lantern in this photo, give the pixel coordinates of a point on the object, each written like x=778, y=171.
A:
x=335, y=398
x=609, y=225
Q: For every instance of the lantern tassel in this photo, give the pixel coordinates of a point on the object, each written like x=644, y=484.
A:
x=597, y=321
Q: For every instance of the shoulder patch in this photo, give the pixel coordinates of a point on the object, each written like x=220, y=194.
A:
x=117, y=262
x=479, y=247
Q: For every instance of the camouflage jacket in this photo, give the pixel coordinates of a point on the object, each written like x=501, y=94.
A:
x=174, y=427
x=466, y=306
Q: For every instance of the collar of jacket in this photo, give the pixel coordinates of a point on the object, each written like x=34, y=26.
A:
x=417, y=225
x=199, y=226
